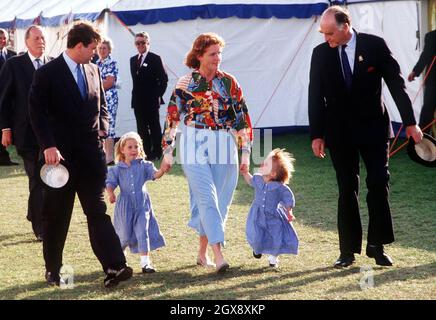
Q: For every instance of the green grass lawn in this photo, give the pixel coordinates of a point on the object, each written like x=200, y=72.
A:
x=307, y=276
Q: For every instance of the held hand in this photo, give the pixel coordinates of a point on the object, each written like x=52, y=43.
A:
x=52, y=156
x=6, y=138
x=167, y=162
x=164, y=166
x=245, y=162
x=243, y=169
x=411, y=76
x=415, y=132
x=318, y=148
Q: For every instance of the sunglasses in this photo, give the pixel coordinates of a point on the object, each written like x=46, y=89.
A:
x=140, y=43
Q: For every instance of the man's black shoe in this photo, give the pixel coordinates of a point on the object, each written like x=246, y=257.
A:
x=148, y=269
x=53, y=278
x=7, y=163
x=344, y=260
x=113, y=277
x=377, y=252
x=257, y=256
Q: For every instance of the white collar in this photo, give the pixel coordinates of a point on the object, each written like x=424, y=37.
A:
x=33, y=58
x=351, y=44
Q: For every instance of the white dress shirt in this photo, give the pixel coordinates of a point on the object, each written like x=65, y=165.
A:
x=350, y=50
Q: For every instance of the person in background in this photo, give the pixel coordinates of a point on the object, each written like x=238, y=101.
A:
x=5, y=54
x=15, y=80
x=149, y=84
x=426, y=59
x=109, y=73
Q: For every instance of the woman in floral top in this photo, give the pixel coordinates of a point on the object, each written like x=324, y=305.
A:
x=208, y=108
x=109, y=74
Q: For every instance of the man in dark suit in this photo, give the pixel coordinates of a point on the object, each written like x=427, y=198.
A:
x=149, y=84
x=69, y=116
x=425, y=60
x=347, y=116
x=15, y=80
x=5, y=54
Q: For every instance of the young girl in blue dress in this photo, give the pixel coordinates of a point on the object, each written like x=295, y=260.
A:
x=134, y=219
x=269, y=229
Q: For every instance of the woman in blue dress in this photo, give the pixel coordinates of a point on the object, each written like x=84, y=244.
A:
x=134, y=219
x=269, y=229
x=109, y=74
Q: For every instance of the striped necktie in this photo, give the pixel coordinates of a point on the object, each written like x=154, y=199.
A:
x=38, y=63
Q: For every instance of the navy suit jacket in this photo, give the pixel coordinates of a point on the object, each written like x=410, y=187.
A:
x=61, y=118
x=338, y=115
x=15, y=80
x=9, y=54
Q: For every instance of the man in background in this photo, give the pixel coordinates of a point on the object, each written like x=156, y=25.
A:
x=149, y=84
x=15, y=80
x=5, y=54
x=425, y=61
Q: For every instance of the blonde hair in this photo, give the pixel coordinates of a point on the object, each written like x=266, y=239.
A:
x=283, y=163
x=108, y=43
x=122, y=142
x=203, y=41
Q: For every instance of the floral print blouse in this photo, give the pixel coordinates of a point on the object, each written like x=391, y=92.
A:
x=217, y=104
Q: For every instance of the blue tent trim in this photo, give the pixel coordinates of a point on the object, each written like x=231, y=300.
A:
x=210, y=11
x=7, y=24
x=172, y=14
x=55, y=21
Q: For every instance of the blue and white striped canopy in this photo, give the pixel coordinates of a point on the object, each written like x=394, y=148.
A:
x=20, y=14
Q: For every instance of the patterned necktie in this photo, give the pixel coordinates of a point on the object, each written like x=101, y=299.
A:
x=81, y=82
x=348, y=75
x=138, y=62
x=38, y=63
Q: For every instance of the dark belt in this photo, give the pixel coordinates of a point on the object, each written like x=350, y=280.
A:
x=199, y=126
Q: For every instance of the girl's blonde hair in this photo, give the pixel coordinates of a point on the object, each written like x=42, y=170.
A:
x=199, y=47
x=122, y=142
x=283, y=163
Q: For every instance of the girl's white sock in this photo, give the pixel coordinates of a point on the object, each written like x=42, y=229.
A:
x=273, y=259
x=145, y=260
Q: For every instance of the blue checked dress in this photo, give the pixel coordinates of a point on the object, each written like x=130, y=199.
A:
x=268, y=230
x=134, y=219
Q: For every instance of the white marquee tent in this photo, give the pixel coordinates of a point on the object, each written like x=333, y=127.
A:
x=268, y=43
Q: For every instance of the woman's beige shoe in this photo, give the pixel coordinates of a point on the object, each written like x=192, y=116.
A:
x=205, y=263
x=222, y=268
